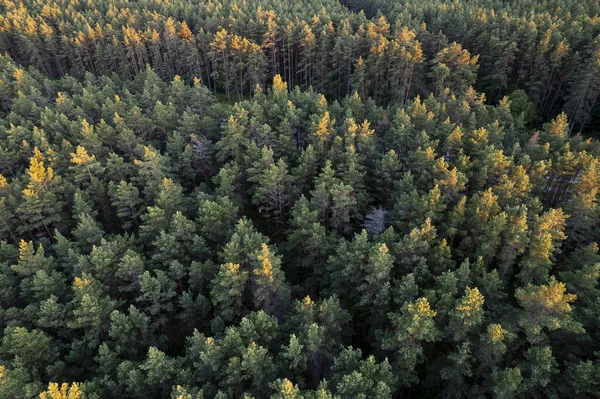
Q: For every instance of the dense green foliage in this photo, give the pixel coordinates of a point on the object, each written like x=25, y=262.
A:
x=364, y=222
x=551, y=49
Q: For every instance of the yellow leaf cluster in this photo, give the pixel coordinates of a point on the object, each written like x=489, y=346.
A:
x=287, y=389
x=37, y=172
x=185, y=33
x=323, y=127
x=18, y=74
x=267, y=267
x=60, y=98
x=25, y=249
x=471, y=303
x=559, y=126
x=231, y=268
x=496, y=332
x=552, y=297
x=421, y=309
x=365, y=129
x=279, y=85
x=81, y=283
x=64, y=392
x=81, y=156
x=181, y=393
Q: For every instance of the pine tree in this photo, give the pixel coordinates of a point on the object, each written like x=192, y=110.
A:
x=454, y=67
x=5, y=214
x=152, y=170
x=545, y=306
x=217, y=218
x=409, y=329
x=358, y=378
x=228, y=292
x=40, y=210
x=547, y=230
x=273, y=193
x=127, y=203
x=270, y=291
x=467, y=314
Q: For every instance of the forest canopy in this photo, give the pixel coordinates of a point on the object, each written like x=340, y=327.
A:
x=299, y=199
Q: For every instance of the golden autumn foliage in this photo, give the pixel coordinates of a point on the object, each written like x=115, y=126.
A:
x=470, y=304
x=266, y=269
x=323, y=127
x=81, y=156
x=65, y=391
x=37, y=172
x=549, y=299
x=279, y=86
x=421, y=310
x=496, y=332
